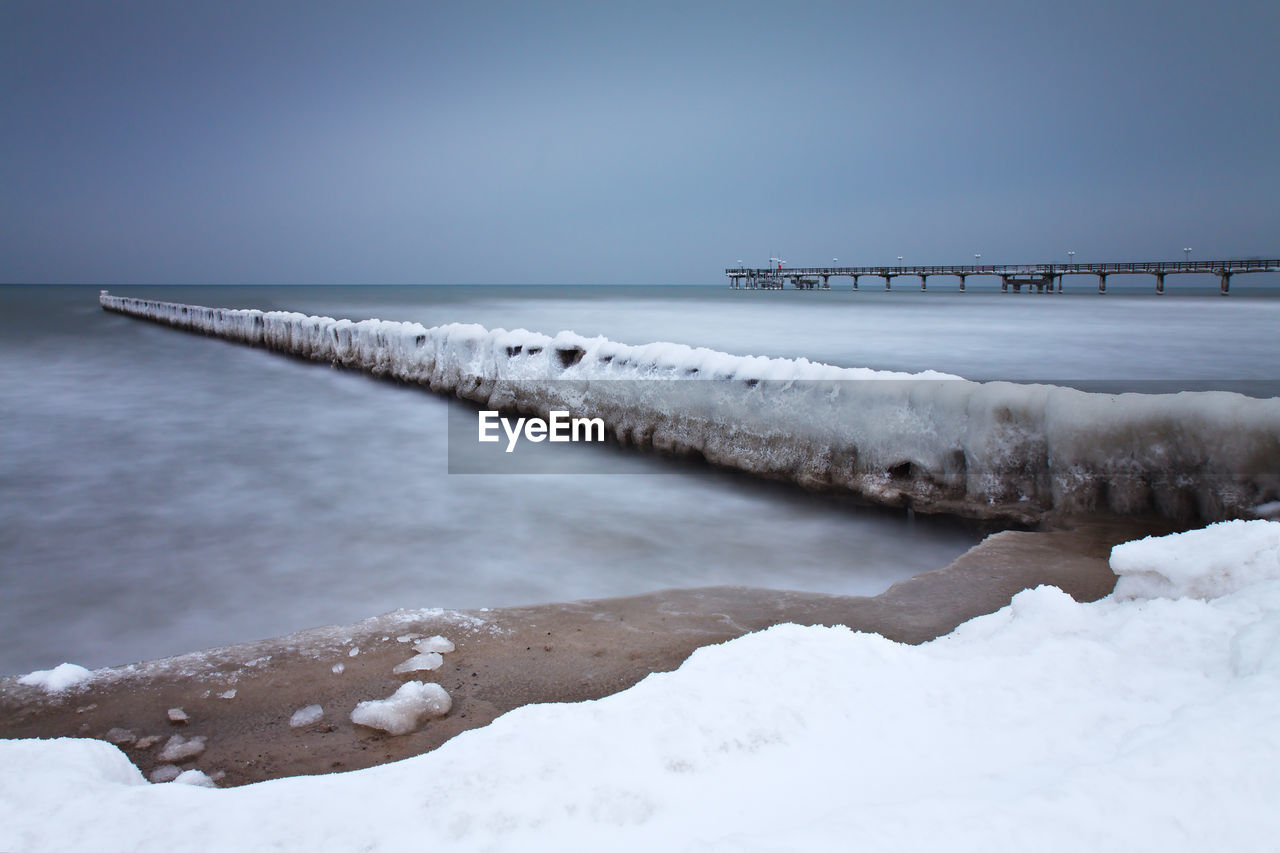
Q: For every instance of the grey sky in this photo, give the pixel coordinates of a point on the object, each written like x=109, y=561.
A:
x=625, y=142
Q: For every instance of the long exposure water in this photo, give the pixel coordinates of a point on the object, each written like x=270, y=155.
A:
x=162, y=492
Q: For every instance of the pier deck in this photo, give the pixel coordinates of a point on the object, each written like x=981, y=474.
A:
x=1044, y=278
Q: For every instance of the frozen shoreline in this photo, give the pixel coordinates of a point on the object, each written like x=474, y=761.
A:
x=929, y=441
x=1127, y=721
x=510, y=657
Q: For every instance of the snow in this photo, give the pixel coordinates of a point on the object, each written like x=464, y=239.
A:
x=61, y=678
x=194, y=777
x=929, y=439
x=306, y=716
x=405, y=710
x=1124, y=724
x=1207, y=563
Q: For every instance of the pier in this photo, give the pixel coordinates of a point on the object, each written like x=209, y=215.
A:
x=1041, y=278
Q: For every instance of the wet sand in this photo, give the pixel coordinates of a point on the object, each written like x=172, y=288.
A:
x=506, y=658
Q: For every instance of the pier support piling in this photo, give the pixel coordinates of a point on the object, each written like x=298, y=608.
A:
x=1042, y=278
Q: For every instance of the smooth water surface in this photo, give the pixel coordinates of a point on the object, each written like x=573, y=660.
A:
x=162, y=492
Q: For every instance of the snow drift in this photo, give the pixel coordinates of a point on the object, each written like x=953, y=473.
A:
x=929, y=441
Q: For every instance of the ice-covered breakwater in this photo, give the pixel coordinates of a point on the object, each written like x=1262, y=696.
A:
x=929, y=441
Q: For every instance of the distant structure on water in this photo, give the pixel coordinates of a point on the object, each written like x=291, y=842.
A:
x=1043, y=278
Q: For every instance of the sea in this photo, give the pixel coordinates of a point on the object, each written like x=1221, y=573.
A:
x=163, y=492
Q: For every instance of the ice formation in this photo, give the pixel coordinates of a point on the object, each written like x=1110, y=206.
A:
x=165, y=773
x=178, y=748
x=121, y=737
x=61, y=678
x=405, y=710
x=436, y=644
x=1206, y=563
x=929, y=441
x=306, y=716
x=424, y=662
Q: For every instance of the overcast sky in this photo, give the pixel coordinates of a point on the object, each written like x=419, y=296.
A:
x=626, y=142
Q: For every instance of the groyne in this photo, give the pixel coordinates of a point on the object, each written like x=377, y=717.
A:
x=930, y=442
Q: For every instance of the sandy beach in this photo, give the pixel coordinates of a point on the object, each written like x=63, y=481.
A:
x=240, y=699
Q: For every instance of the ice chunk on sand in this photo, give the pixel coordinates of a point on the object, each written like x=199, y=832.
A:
x=338, y=668
x=194, y=777
x=177, y=715
x=62, y=677
x=1206, y=563
x=165, y=773
x=306, y=716
x=228, y=694
x=404, y=710
x=436, y=644
x=419, y=663
x=121, y=737
x=179, y=748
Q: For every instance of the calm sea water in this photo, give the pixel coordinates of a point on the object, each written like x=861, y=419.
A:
x=162, y=492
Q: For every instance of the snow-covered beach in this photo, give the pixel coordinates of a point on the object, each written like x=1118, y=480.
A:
x=1129, y=722
x=393, y=460
x=948, y=681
